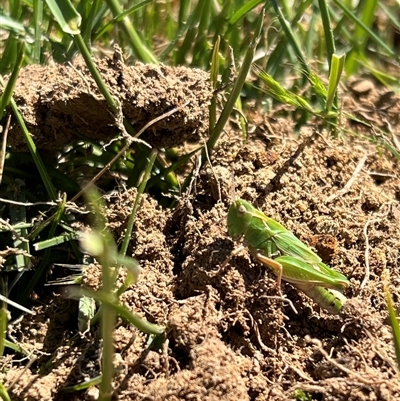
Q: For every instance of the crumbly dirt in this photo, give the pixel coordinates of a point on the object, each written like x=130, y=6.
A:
x=61, y=103
x=231, y=336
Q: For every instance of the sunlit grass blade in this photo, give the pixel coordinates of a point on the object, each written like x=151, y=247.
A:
x=393, y=18
x=393, y=319
x=95, y=73
x=9, y=24
x=40, y=269
x=100, y=244
x=3, y=393
x=119, y=18
x=243, y=10
x=8, y=89
x=141, y=187
x=282, y=50
x=291, y=37
x=14, y=304
x=15, y=347
x=214, y=83
x=140, y=323
x=335, y=73
x=326, y=22
x=361, y=35
x=17, y=217
x=395, y=325
x=137, y=45
x=60, y=239
x=3, y=315
x=386, y=78
x=82, y=386
x=242, y=118
x=201, y=41
x=277, y=91
x=38, y=21
x=66, y=15
x=191, y=33
x=34, y=152
x=371, y=35
x=237, y=87
x=318, y=86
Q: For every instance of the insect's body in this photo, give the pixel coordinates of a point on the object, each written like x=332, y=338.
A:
x=329, y=299
x=290, y=259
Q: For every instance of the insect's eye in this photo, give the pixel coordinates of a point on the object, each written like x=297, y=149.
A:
x=241, y=209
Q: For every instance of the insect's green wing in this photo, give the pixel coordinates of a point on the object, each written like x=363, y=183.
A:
x=339, y=277
x=290, y=245
x=299, y=273
x=271, y=224
x=286, y=242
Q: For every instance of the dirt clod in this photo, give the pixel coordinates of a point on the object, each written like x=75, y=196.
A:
x=58, y=102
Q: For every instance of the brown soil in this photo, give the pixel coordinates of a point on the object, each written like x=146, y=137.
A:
x=60, y=102
x=231, y=336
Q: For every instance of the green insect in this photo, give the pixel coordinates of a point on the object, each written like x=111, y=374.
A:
x=290, y=259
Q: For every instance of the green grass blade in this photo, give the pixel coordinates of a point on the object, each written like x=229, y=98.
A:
x=140, y=49
x=45, y=260
x=119, y=18
x=361, y=35
x=274, y=89
x=18, y=216
x=291, y=37
x=66, y=15
x=9, y=24
x=60, y=239
x=326, y=22
x=191, y=32
x=335, y=73
x=38, y=20
x=100, y=244
x=9, y=88
x=391, y=15
x=3, y=393
x=95, y=73
x=394, y=323
x=3, y=316
x=214, y=83
x=275, y=60
x=35, y=155
x=142, y=324
x=371, y=35
x=81, y=386
x=246, y=65
x=142, y=185
x=16, y=347
x=243, y=10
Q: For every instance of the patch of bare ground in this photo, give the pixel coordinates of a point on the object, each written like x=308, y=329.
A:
x=230, y=335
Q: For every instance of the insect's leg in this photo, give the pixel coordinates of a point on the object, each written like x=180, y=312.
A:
x=272, y=250
x=232, y=254
x=275, y=266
